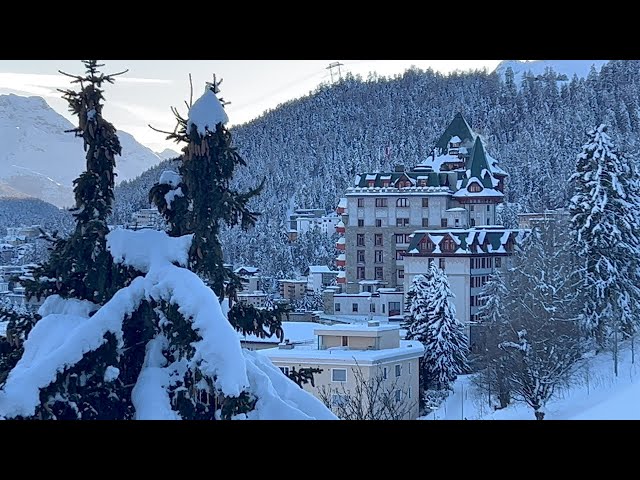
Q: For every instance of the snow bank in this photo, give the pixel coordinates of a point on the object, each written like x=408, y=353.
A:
x=206, y=113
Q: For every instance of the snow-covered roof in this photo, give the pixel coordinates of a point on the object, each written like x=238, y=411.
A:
x=310, y=353
x=341, y=241
x=455, y=139
x=320, y=269
x=342, y=203
x=457, y=209
x=206, y=113
x=342, y=257
x=246, y=269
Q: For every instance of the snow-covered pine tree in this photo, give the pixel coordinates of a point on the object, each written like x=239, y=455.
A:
x=418, y=305
x=493, y=322
x=80, y=266
x=605, y=228
x=81, y=269
x=446, y=344
x=192, y=365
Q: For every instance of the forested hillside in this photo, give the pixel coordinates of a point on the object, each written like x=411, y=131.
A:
x=310, y=149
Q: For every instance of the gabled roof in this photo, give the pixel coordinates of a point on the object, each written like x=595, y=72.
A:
x=477, y=165
x=469, y=241
x=458, y=127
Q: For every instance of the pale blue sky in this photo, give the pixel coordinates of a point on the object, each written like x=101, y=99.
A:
x=146, y=93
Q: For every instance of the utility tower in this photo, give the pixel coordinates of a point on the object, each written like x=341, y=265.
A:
x=335, y=65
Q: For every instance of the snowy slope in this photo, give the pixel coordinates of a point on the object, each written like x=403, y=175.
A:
x=39, y=159
x=596, y=394
x=537, y=67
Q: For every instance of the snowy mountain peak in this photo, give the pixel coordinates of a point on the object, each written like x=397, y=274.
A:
x=167, y=154
x=39, y=159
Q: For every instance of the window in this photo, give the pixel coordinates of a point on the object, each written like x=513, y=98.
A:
x=379, y=274
x=402, y=202
x=448, y=245
x=394, y=308
x=354, y=307
x=443, y=222
x=474, y=188
x=409, y=372
x=457, y=222
x=378, y=222
x=400, y=238
x=482, y=263
x=441, y=263
x=401, y=273
x=472, y=222
x=378, y=240
x=425, y=203
x=398, y=395
x=473, y=301
x=398, y=370
x=361, y=222
x=336, y=307
x=402, y=222
x=372, y=307
x=338, y=374
x=360, y=240
x=378, y=256
x=425, y=222
x=285, y=370
x=488, y=221
x=360, y=256
x=361, y=202
x=383, y=308
x=407, y=238
x=409, y=392
x=345, y=341
x=498, y=262
x=490, y=262
x=425, y=245
x=360, y=273
x=384, y=373
x=381, y=202
x=400, y=254
x=488, y=208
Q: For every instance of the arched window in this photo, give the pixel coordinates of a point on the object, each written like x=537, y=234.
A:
x=448, y=245
x=402, y=202
x=474, y=188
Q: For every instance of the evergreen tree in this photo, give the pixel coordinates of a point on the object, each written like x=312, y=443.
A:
x=447, y=344
x=493, y=319
x=605, y=228
x=418, y=306
x=80, y=266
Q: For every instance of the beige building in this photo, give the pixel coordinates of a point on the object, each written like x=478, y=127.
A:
x=257, y=299
x=343, y=351
x=292, y=289
x=295, y=333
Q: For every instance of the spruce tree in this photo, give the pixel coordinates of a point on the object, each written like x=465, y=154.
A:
x=80, y=266
x=605, y=228
x=418, y=305
x=447, y=344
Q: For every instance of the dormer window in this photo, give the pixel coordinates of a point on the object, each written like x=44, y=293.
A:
x=385, y=183
x=426, y=245
x=423, y=183
x=447, y=245
x=371, y=183
x=474, y=188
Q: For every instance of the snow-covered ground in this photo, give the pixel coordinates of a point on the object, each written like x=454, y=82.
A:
x=596, y=394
